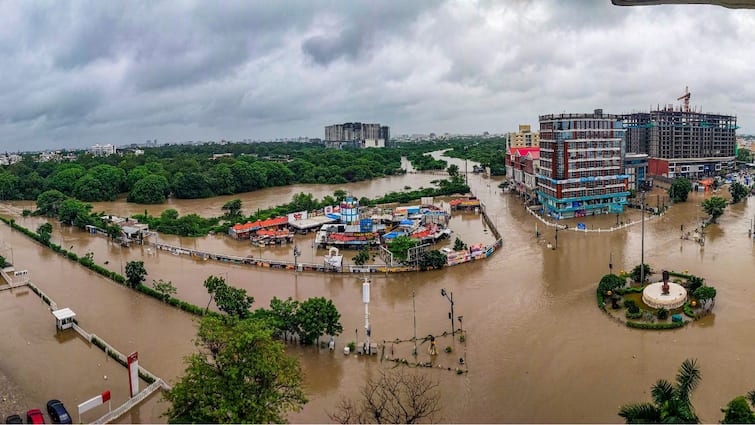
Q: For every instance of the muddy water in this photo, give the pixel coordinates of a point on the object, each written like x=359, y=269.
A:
x=538, y=349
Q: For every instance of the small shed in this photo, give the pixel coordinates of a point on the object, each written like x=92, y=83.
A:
x=64, y=318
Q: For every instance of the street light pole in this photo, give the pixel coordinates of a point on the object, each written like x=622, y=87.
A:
x=642, y=254
x=297, y=253
x=451, y=314
x=414, y=313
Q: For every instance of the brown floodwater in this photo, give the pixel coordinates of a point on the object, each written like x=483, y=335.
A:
x=537, y=349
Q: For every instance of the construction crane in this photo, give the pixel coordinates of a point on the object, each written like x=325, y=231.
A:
x=685, y=97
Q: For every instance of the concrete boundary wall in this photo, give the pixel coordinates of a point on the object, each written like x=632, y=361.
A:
x=158, y=383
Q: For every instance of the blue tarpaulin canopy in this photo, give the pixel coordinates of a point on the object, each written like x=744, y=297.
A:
x=334, y=216
x=393, y=235
x=406, y=223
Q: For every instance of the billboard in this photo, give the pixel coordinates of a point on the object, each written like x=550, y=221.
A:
x=133, y=373
x=301, y=215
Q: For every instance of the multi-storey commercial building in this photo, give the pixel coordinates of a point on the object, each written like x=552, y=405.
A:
x=525, y=138
x=636, y=167
x=581, y=165
x=102, y=150
x=522, y=167
x=356, y=134
x=682, y=143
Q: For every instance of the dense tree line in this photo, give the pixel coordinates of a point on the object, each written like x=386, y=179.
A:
x=489, y=152
x=188, y=171
x=170, y=222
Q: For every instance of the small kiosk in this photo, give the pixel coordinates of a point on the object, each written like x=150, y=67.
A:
x=64, y=318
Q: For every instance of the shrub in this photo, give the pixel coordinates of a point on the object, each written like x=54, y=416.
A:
x=73, y=256
x=694, y=282
x=637, y=271
x=662, y=314
x=449, y=349
x=98, y=343
x=633, y=315
x=660, y=326
x=688, y=311
x=629, y=304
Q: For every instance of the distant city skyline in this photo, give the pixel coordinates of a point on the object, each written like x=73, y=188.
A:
x=81, y=73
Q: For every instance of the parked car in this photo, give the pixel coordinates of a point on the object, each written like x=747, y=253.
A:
x=58, y=412
x=34, y=416
x=14, y=419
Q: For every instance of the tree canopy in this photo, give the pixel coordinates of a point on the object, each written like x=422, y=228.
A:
x=714, y=207
x=680, y=189
x=671, y=402
x=239, y=375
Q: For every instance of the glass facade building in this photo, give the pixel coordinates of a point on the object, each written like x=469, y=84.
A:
x=581, y=165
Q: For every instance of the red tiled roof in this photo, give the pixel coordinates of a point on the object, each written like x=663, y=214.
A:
x=261, y=224
x=535, y=152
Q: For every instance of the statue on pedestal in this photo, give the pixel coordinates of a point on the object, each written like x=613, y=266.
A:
x=665, y=288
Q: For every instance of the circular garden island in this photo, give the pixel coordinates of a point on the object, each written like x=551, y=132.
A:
x=664, y=301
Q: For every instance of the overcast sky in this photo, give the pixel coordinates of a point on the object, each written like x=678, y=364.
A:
x=76, y=73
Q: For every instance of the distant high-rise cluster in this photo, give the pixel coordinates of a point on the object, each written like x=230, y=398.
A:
x=356, y=134
x=588, y=163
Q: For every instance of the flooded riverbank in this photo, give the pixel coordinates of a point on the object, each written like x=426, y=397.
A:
x=537, y=348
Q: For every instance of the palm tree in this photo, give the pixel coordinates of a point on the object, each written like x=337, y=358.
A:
x=671, y=404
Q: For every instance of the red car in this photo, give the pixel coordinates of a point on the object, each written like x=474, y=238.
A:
x=34, y=416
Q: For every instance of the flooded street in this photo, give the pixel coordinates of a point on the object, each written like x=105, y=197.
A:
x=538, y=349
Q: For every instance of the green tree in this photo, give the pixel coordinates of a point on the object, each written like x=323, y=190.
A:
x=694, y=282
x=362, y=257
x=135, y=273
x=459, y=245
x=283, y=317
x=239, y=375
x=738, y=411
x=65, y=178
x=232, y=301
x=432, y=260
x=191, y=186
x=317, y=317
x=705, y=294
x=91, y=189
x=610, y=282
x=166, y=289
x=74, y=212
x=3, y=262
x=744, y=155
x=232, y=208
x=48, y=202
x=738, y=192
x=453, y=170
x=400, y=246
x=151, y=189
x=680, y=189
x=637, y=272
x=45, y=232
x=671, y=403
x=714, y=207
x=9, y=186
x=340, y=195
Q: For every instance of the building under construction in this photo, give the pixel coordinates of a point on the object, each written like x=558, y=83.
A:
x=682, y=142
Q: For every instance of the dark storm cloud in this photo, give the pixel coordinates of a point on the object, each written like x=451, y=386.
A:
x=85, y=72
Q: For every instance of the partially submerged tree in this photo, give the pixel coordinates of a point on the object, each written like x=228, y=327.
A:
x=738, y=192
x=317, y=317
x=714, y=207
x=394, y=397
x=679, y=189
x=45, y=233
x=166, y=289
x=232, y=301
x=239, y=375
x=362, y=257
x=637, y=272
x=135, y=273
x=232, y=208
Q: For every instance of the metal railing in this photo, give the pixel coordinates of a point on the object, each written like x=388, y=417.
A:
x=125, y=407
